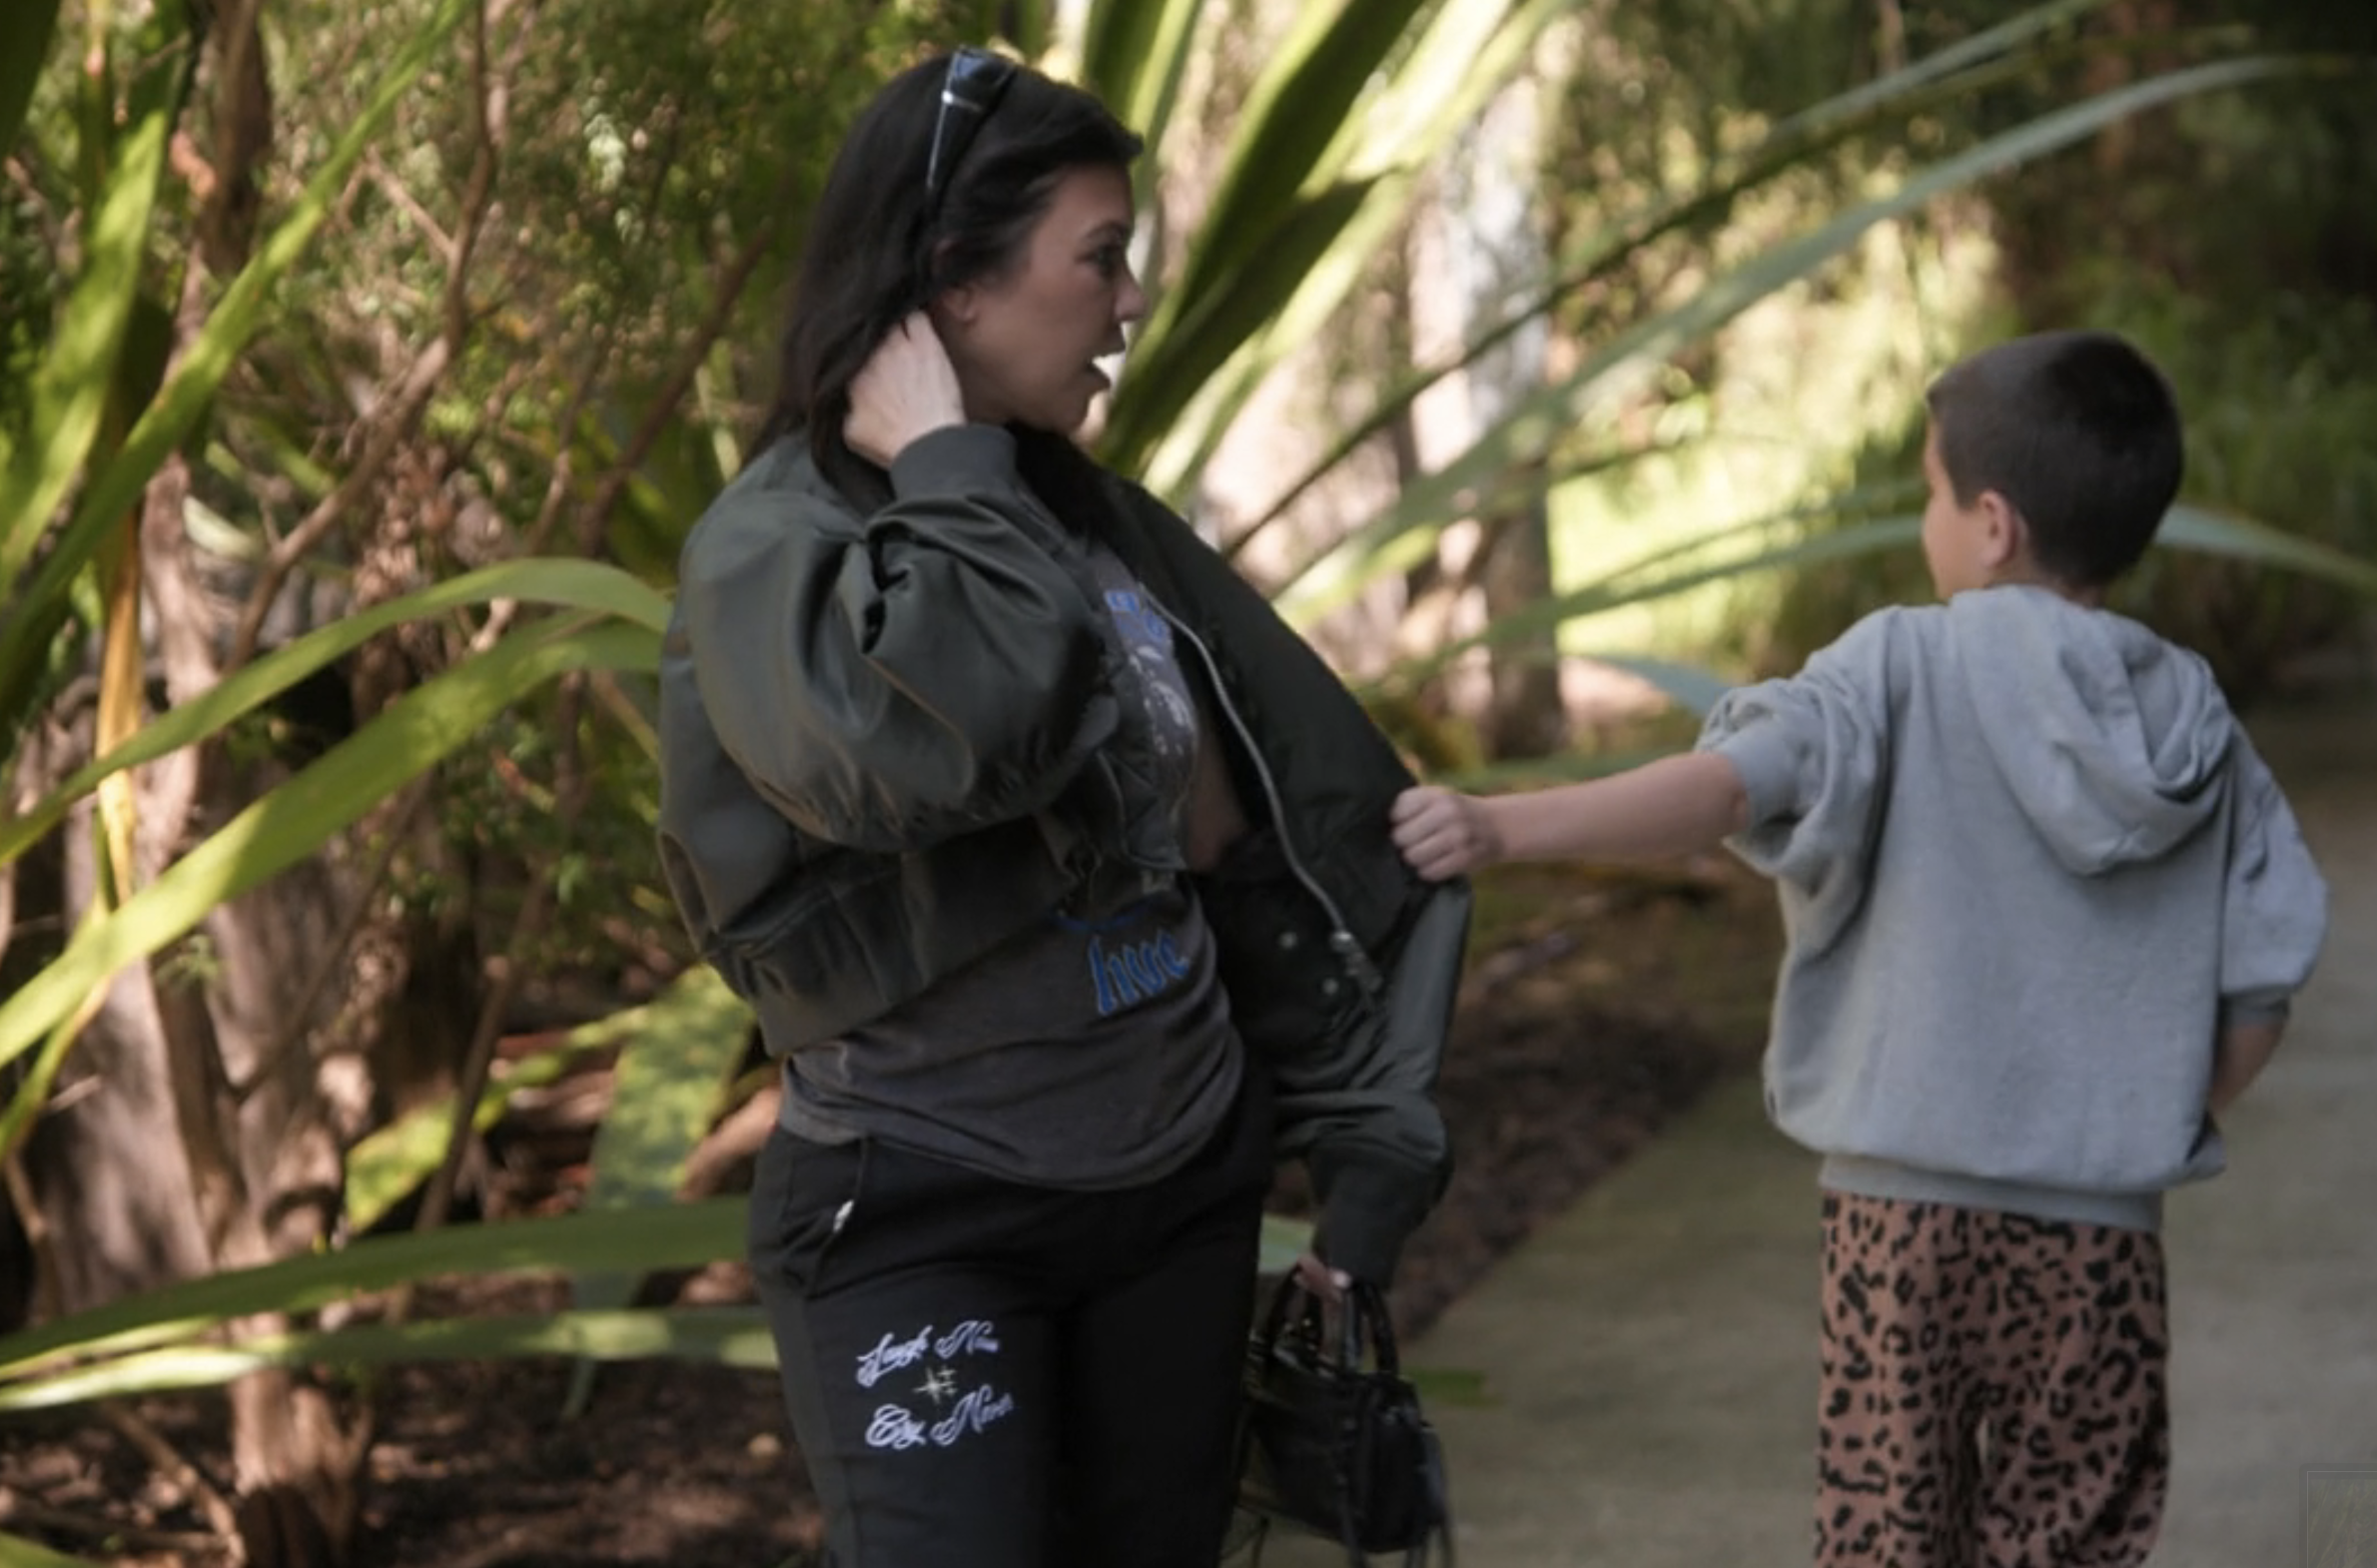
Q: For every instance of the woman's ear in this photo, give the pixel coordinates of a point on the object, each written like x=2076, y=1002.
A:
x=955, y=303
x=956, y=307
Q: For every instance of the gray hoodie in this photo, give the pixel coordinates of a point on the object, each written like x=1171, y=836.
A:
x=2030, y=866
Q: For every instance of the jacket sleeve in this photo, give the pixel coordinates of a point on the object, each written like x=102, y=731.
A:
x=936, y=672
x=2274, y=916
x=1374, y=1138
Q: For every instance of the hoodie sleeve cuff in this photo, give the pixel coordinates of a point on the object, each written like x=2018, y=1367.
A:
x=2256, y=1007
x=1762, y=753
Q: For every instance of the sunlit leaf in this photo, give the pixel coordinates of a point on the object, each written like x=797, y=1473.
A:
x=300, y=816
x=723, y=1335
x=17, y=1552
x=1450, y=1386
x=1695, y=564
x=1979, y=64
x=2242, y=538
x=39, y=607
x=1289, y=119
x=71, y=379
x=394, y=1160
x=685, y=1236
x=1338, y=574
x=1624, y=590
x=1169, y=413
x=1134, y=54
x=573, y=585
x=671, y=1075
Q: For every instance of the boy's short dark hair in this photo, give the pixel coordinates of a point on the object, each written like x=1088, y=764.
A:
x=2079, y=432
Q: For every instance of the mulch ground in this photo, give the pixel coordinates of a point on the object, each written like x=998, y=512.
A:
x=1595, y=1008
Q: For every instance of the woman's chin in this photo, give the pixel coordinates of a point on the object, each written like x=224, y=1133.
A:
x=1066, y=421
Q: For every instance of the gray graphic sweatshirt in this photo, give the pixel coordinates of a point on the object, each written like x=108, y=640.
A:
x=2029, y=867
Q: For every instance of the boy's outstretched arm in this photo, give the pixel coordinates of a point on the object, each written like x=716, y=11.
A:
x=2244, y=1050
x=1669, y=807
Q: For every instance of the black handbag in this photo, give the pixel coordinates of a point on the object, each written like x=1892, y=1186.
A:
x=1336, y=1446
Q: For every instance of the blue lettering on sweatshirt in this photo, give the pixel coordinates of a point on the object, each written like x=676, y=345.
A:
x=1129, y=973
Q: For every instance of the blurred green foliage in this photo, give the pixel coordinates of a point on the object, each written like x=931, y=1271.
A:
x=2234, y=237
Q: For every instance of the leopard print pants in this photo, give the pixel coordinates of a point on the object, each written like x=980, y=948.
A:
x=1992, y=1392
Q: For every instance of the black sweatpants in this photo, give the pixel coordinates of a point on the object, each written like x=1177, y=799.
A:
x=1008, y=1376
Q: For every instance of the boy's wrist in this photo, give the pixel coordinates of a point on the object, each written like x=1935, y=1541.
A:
x=1493, y=846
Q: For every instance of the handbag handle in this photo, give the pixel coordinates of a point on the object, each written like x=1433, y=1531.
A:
x=1364, y=1314
x=1361, y=1317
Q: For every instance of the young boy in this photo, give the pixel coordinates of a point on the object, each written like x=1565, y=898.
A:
x=2046, y=909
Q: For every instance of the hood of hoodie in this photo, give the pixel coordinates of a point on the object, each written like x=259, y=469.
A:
x=2111, y=738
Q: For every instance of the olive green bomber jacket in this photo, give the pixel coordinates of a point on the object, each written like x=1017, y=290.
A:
x=892, y=738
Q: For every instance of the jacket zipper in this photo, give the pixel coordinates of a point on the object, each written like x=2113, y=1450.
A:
x=1341, y=940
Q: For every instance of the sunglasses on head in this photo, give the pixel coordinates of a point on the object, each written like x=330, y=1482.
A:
x=976, y=81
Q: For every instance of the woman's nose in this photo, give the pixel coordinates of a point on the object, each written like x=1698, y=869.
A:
x=1131, y=301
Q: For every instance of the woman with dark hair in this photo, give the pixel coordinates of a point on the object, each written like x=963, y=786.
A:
x=1055, y=866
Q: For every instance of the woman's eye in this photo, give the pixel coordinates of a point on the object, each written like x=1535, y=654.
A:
x=1109, y=260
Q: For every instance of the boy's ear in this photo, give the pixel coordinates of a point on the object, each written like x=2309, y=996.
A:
x=2005, y=539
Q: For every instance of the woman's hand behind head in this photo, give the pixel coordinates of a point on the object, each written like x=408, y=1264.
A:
x=906, y=389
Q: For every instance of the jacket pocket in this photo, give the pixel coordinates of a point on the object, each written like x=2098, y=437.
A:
x=1287, y=990
x=772, y=946
x=803, y=1203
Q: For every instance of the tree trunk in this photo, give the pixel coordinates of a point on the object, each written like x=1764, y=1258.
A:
x=190, y=1132
x=120, y=1223
x=1477, y=248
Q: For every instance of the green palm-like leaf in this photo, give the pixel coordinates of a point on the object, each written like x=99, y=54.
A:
x=1682, y=568
x=1334, y=578
x=39, y=607
x=2009, y=51
x=667, y=1088
x=1470, y=53
x=2210, y=533
x=677, y=1060
x=71, y=381
x=1815, y=125
x=1241, y=307
x=392, y=1160
x=1134, y=54
x=1622, y=589
x=1290, y=121
x=297, y=818
x=1169, y=413
x=17, y=1552
x=726, y=1335
x=685, y=1236
x=1688, y=686
x=573, y=585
